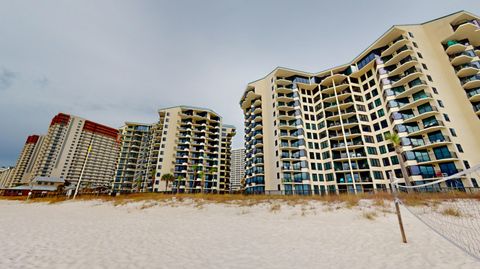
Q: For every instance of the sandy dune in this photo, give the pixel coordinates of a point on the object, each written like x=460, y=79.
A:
x=100, y=235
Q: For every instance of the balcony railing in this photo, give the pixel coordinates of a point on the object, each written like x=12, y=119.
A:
x=473, y=22
x=468, y=79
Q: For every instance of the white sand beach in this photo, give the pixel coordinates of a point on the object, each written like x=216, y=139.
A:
x=98, y=234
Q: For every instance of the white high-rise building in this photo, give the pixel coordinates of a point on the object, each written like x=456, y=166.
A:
x=237, y=170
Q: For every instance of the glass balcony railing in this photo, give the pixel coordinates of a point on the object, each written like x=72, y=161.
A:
x=475, y=64
x=469, y=53
x=473, y=92
x=470, y=78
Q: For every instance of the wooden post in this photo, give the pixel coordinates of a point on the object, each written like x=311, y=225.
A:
x=397, y=208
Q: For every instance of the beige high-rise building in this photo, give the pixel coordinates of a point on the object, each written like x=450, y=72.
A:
x=75, y=146
x=137, y=159
x=325, y=131
x=24, y=166
x=237, y=170
x=5, y=176
x=191, y=143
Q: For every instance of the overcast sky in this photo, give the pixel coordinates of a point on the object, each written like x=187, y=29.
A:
x=115, y=61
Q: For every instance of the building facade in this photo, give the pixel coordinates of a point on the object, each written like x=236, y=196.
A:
x=190, y=143
x=75, y=147
x=5, y=176
x=136, y=162
x=325, y=132
x=24, y=166
x=237, y=170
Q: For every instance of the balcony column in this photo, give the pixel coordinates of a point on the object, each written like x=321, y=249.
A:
x=343, y=131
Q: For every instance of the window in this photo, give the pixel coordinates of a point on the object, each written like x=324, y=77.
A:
x=440, y=103
x=381, y=112
x=424, y=66
x=415, y=45
x=459, y=147
x=372, y=150
x=410, y=34
x=446, y=117
x=419, y=55
x=435, y=91
x=394, y=159
x=429, y=78
x=383, y=150
x=442, y=153
x=379, y=138
x=452, y=131
x=375, y=162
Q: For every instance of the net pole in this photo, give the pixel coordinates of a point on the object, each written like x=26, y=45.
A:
x=397, y=209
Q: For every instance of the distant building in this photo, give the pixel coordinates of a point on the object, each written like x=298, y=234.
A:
x=75, y=146
x=26, y=161
x=38, y=186
x=191, y=143
x=137, y=159
x=237, y=170
x=5, y=176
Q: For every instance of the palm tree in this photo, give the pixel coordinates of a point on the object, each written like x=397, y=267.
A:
x=211, y=171
x=195, y=169
x=397, y=144
x=202, y=175
x=179, y=179
x=167, y=178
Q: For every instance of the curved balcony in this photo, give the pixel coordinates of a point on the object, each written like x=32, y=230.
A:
x=430, y=144
x=395, y=45
x=340, y=105
x=284, y=89
x=474, y=95
x=282, y=106
x=462, y=57
x=433, y=110
x=333, y=79
x=427, y=97
x=464, y=29
x=407, y=77
x=403, y=65
x=451, y=157
x=454, y=47
x=337, y=87
x=471, y=82
x=343, y=114
x=284, y=97
x=423, y=129
x=413, y=87
x=282, y=81
x=468, y=69
x=399, y=55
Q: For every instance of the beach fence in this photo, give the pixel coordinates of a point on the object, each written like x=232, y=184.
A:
x=455, y=219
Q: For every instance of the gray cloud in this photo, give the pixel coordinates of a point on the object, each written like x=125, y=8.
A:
x=7, y=77
x=119, y=60
x=42, y=82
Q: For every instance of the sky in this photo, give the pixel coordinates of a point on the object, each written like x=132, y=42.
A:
x=117, y=60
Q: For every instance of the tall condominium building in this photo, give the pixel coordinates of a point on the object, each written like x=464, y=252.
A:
x=24, y=167
x=193, y=143
x=190, y=143
x=136, y=162
x=237, y=170
x=75, y=147
x=5, y=176
x=326, y=131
